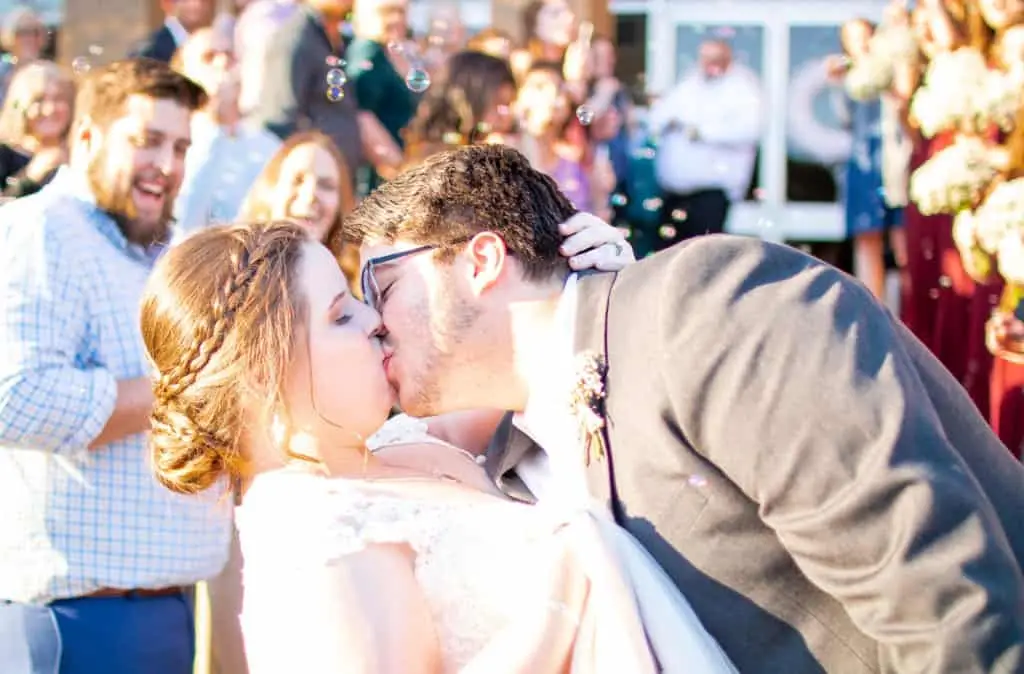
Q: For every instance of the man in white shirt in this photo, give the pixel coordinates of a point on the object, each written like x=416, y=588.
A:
x=709, y=127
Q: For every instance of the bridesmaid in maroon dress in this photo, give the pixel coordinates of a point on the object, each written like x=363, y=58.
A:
x=921, y=275
x=1005, y=337
x=947, y=308
x=1005, y=331
x=936, y=31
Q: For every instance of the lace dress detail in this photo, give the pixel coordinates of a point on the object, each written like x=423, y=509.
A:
x=399, y=430
x=477, y=557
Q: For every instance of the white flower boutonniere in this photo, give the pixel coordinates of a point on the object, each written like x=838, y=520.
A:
x=587, y=402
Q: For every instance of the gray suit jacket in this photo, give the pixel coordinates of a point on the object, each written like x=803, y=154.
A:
x=817, y=485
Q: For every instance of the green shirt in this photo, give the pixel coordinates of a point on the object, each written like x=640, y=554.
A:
x=379, y=90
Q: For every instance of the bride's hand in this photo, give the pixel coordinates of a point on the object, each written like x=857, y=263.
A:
x=591, y=243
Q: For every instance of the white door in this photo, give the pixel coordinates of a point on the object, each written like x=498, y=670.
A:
x=803, y=148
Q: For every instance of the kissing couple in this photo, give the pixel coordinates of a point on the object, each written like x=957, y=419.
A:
x=725, y=457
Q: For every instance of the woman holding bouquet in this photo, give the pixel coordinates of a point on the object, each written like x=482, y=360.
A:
x=1004, y=330
x=948, y=311
x=872, y=203
x=936, y=33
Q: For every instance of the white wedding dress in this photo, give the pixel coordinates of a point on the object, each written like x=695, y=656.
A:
x=480, y=560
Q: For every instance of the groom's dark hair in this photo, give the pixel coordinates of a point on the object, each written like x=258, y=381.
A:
x=453, y=196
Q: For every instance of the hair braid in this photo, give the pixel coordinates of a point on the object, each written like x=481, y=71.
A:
x=210, y=449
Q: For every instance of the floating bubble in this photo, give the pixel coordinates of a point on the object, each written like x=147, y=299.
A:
x=418, y=80
x=95, y=50
x=333, y=61
x=652, y=204
x=585, y=115
x=335, y=94
x=619, y=200
x=81, y=65
x=679, y=215
x=336, y=77
x=667, y=232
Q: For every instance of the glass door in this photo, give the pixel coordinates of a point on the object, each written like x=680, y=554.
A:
x=794, y=191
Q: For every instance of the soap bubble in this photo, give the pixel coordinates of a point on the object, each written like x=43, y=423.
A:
x=81, y=65
x=336, y=77
x=418, y=80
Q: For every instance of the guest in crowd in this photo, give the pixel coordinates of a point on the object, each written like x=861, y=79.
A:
x=23, y=37
x=492, y=41
x=34, y=124
x=307, y=181
x=866, y=199
x=255, y=29
x=546, y=109
x=471, y=102
x=378, y=64
x=709, y=126
x=96, y=558
x=297, y=95
x=183, y=18
x=228, y=152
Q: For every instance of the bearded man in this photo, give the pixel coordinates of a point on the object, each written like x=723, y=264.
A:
x=96, y=559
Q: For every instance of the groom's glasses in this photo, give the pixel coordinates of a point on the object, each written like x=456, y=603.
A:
x=368, y=280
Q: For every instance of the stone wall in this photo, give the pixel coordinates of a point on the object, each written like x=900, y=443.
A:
x=104, y=30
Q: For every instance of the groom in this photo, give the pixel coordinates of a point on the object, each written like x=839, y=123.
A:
x=819, y=488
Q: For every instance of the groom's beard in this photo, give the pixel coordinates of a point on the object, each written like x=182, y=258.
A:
x=449, y=327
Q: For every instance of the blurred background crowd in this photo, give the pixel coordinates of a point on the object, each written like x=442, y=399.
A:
x=881, y=137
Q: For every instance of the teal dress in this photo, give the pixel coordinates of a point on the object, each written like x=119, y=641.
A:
x=379, y=90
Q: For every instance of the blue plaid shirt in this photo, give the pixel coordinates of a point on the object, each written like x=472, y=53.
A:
x=74, y=520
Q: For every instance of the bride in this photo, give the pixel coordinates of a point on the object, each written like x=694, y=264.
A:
x=270, y=374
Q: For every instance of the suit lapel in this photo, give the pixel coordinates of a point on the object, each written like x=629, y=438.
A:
x=593, y=297
x=508, y=446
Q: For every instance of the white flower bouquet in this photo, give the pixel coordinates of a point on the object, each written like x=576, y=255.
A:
x=954, y=179
x=868, y=77
x=977, y=263
x=951, y=83
x=1000, y=215
x=1011, y=258
x=997, y=99
x=895, y=42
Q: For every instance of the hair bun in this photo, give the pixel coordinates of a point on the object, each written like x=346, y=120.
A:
x=187, y=458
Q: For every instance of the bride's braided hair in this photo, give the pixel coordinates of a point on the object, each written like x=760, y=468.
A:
x=217, y=319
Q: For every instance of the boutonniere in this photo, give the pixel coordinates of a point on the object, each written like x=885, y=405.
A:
x=587, y=402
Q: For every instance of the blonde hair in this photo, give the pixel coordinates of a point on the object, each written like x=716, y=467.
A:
x=219, y=317
x=15, y=19
x=26, y=88
x=257, y=206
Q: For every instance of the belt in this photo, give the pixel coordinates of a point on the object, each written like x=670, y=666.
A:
x=106, y=592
